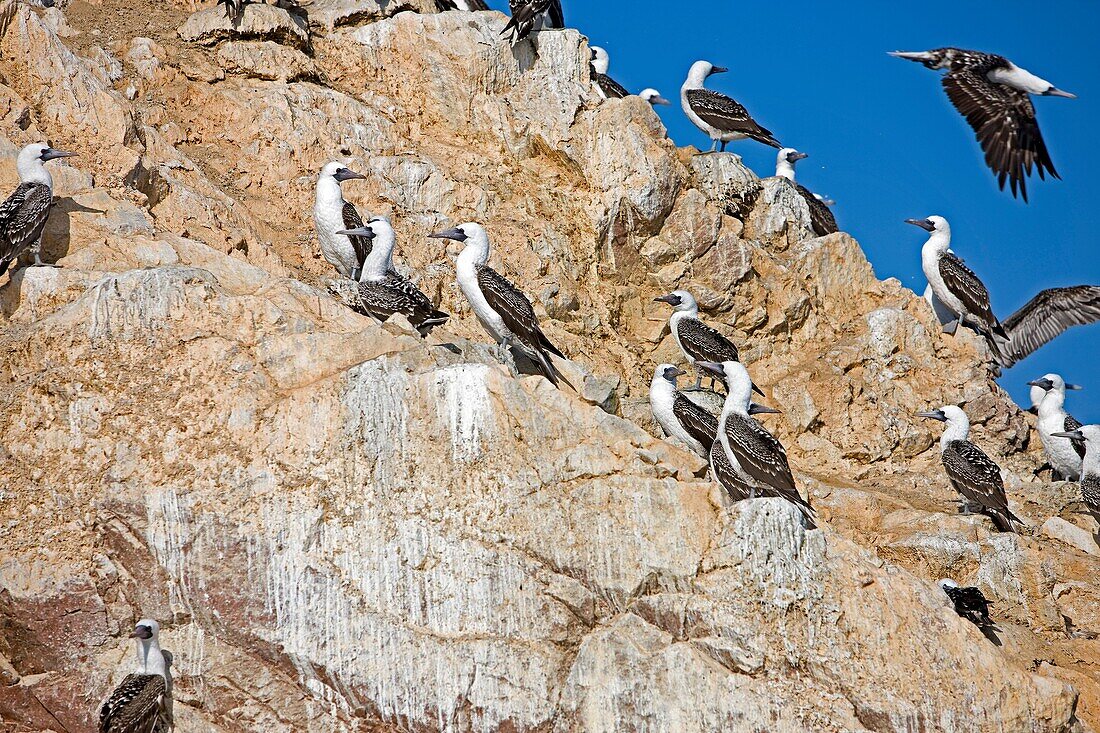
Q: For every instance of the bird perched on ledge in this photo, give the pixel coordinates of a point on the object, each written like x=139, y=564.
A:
x=532, y=16
x=23, y=215
x=1064, y=455
x=721, y=118
x=139, y=703
x=604, y=85
x=821, y=217
x=1089, y=436
x=969, y=602
x=331, y=214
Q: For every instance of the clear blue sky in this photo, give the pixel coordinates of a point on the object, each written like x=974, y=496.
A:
x=883, y=139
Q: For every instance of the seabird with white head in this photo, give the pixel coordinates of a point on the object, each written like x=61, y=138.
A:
x=382, y=291
x=139, y=703
x=821, y=218
x=969, y=602
x=532, y=16
x=994, y=95
x=1089, y=436
x=653, y=96
x=23, y=215
x=678, y=416
x=1064, y=455
x=503, y=310
x=605, y=86
x=757, y=458
x=333, y=214
x=720, y=117
x=971, y=472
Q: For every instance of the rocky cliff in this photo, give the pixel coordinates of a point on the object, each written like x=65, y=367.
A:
x=344, y=527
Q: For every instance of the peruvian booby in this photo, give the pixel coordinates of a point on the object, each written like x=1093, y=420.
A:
x=331, y=214
x=955, y=284
x=722, y=118
x=382, y=291
x=139, y=703
x=604, y=85
x=471, y=5
x=532, y=16
x=1064, y=455
x=678, y=416
x=1047, y=316
x=994, y=95
x=653, y=96
x=724, y=473
x=503, y=310
x=972, y=473
x=697, y=340
x=758, y=460
x=969, y=602
x=1089, y=436
x=821, y=218
x=23, y=215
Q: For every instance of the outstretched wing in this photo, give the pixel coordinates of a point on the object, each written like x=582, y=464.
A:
x=1047, y=315
x=728, y=115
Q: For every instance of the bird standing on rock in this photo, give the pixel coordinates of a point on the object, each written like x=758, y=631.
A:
x=721, y=118
x=969, y=602
x=821, y=218
x=332, y=214
x=23, y=215
x=1064, y=455
x=1089, y=436
x=139, y=703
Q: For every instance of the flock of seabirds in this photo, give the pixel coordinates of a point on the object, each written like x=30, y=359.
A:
x=745, y=458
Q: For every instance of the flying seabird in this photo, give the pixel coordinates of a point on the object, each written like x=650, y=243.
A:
x=138, y=704
x=604, y=85
x=532, y=15
x=23, y=215
x=722, y=119
x=994, y=96
x=697, y=340
x=969, y=603
x=503, y=310
x=758, y=460
x=1089, y=435
x=382, y=291
x=821, y=218
x=1047, y=316
x=955, y=284
x=331, y=214
x=1064, y=455
x=653, y=96
x=472, y=5
x=972, y=473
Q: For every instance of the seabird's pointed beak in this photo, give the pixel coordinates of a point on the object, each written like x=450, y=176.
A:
x=1074, y=386
x=51, y=153
x=922, y=223
x=713, y=367
x=1042, y=384
x=456, y=234
x=670, y=299
x=358, y=232
x=346, y=174
x=1055, y=92
x=797, y=156
x=1072, y=435
x=659, y=100
x=755, y=409
x=758, y=391
x=934, y=414
x=142, y=632
x=718, y=70
x=676, y=372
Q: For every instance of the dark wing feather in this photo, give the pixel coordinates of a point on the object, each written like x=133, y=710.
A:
x=762, y=457
x=135, y=706
x=723, y=472
x=1090, y=492
x=966, y=286
x=525, y=13
x=515, y=309
x=234, y=9
x=698, y=423
x=553, y=11
x=728, y=115
x=703, y=343
x=397, y=294
x=361, y=245
x=1047, y=315
x=971, y=604
x=978, y=479
x=1004, y=120
x=611, y=88
x=1071, y=423
x=22, y=219
x=821, y=216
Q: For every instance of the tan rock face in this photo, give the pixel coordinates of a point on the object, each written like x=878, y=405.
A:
x=343, y=526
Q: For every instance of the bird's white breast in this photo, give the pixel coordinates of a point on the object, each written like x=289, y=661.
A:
x=328, y=216
x=466, y=274
x=662, y=399
x=1059, y=451
x=930, y=263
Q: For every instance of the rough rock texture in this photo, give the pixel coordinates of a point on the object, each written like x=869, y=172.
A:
x=342, y=526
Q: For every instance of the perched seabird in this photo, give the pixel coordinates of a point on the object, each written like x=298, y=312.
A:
x=23, y=215
x=1089, y=435
x=138, y=704
x=678, y=416
x=697, y=340
x=821, y=218
x=604, y=85
x=757, y=458
x=969, y=602
x=653, y=97
x=723, y=472
x=1047, y=316
x=1064, y=455
x=722, y=119
x=972, y=473
x=955, y=284
x=995, y=97
x=382, y=291
x=471, y=5
x=503, y=310
x=532, y=15
x=331, y=214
